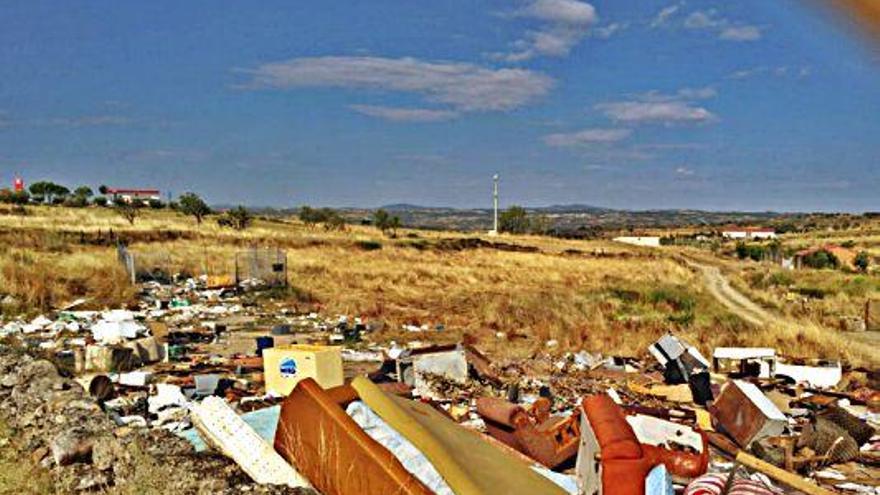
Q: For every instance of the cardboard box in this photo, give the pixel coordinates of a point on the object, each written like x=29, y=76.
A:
x=286, y=366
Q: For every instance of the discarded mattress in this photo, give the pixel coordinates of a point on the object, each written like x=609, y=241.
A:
x=412, y=459
x=469, y=464
x=220, y=426
x=323, y=443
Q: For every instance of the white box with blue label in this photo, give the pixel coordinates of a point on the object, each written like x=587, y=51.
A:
x=285, y=366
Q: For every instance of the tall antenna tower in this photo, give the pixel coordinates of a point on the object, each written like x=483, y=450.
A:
x=494, y=230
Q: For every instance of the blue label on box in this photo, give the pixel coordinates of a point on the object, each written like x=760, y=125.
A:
x=288, y=367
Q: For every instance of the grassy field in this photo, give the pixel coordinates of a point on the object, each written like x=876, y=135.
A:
x=593, y=295
x=828, y=296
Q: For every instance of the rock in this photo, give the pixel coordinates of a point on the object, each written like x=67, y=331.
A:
x=106, y=452
x=39, y=454
x=123, y=431
x=212, y=486
x=10, y=380
x=70, y=447
x=93, y=481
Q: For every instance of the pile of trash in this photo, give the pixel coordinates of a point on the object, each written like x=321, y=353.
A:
x=258, y=396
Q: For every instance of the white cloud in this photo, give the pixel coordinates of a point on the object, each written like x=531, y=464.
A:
x=703, y=20
x=655, y=111
x=665, y=108
x=564, y=23
x=398, y=114
x=740, y=33
x=665, y=14
x=703, y=93
x=605, y=32
x=781, y=71
x=725, y=29
x=465, y=87
x=684, y=171
x=561, y=11
x=586, y=136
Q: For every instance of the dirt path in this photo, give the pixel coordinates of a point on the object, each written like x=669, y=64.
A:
x=731, y=298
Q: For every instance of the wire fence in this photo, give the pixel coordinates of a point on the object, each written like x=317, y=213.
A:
x=261, y=267
x=252, y=267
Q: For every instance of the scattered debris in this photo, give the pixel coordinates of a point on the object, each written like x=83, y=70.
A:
x=265, y=384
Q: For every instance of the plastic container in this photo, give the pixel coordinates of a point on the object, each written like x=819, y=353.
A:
x=264, y=343
x=286, y=366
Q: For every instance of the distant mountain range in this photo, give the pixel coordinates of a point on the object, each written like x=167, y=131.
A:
x=568, y=220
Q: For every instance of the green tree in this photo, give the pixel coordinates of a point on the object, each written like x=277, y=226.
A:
x=50, y=191
x=14, y=197
x=128, y=211
x=821, y=259
x=83, y=192
x=310, y=216
x=862, y=261
x=331, y=218
x=386, y=222
x=103, y=189
x=191, y=204
x=333, y=221
x=514, y=220
x=99, y=201
x=239, y=218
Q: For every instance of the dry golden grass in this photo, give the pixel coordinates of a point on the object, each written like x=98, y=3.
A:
x=594, y=295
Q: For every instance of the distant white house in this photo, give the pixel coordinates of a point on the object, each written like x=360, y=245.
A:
x=133, y=195
x=639, y=241
x=748, y=233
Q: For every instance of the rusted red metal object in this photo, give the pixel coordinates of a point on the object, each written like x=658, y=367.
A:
x=550, y=440
x=317, y=437
x=626, y=461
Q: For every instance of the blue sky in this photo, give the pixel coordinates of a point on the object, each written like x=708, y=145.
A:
x=750, y=105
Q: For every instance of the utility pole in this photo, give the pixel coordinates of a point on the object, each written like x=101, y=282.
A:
x=495, y=204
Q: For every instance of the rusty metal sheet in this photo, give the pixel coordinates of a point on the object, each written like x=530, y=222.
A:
x=317, y=437
x=549, y=440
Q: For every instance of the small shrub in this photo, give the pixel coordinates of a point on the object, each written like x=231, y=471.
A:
x=419, y=244
x=239, y=218
x=821, y=260
x=677, y=298
x=812, y=292
x=781, y=279
x=858, y=287
x=368, y=245
x=625, y=295
x=862, y=261
x=127, y=211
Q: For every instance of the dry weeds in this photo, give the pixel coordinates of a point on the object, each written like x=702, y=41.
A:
x=583, y=294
